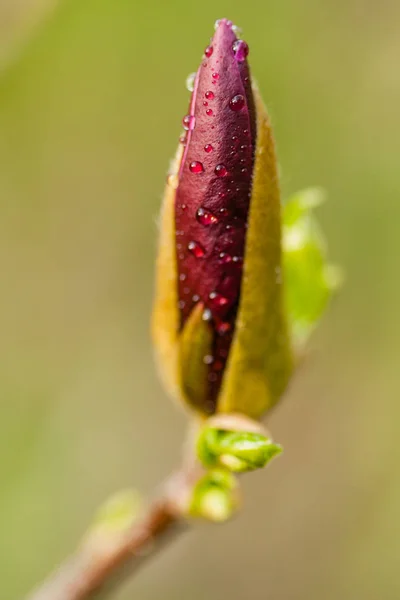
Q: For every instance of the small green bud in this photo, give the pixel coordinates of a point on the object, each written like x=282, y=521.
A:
x=227, y=444
x=118, y=512
x=214, y=497
x=111, y=522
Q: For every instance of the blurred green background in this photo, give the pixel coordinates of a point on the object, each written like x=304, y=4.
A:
x=91, y=97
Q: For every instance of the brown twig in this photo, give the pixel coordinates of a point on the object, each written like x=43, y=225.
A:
x=103, y=560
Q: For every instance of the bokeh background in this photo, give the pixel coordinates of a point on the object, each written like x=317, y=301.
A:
x=91, y=97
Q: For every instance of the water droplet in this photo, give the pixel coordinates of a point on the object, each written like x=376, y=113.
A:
x=196, y=167
x=245, y=131
x=207, y=315
x=189, y=122
x=205, y=217
x=221, y=171
x=224, y=212
x=237, y=102
x=218, y=365
x=223, y=328
x=182, y=277
x=209, y=95
x=208, y=51
x=238, y=260
x=209, y=112
x=196, y=298
x=208, y=148
x=215, y=75
x=182, y=139
x=240, y=50
x=173, y=180
x=225, y=258
x=196, y=249
x=217, y=23
x=208, y=359
x=244, y=171
x=237, y=30
x=181, y=304
x=218, y=299
x=205, y=103
x=243, y=147
x=183, y=206
x=190, y=81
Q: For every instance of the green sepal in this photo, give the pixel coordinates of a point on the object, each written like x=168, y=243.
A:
x=195, y=342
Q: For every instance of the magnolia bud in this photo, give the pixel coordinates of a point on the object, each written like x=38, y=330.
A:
x=219, y=323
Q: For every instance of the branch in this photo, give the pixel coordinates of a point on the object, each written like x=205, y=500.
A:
x=106, y=558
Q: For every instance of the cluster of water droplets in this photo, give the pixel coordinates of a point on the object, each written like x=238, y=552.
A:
x=220, y=302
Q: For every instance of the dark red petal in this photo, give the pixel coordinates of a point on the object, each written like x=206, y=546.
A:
x=214, y=189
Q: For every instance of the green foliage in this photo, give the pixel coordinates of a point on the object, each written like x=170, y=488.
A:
x=309, y=279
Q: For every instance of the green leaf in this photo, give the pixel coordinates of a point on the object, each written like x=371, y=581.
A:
x=309, y=279
x=238, y=451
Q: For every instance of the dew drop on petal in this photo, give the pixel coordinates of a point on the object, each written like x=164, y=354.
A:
x=218, y=365
x=181, y=304
x=196, y=167
x=206, y=217
x=218, y=299
x=208, y=359
x=224, y=212
x=190, y=81
x=182, y=277
x=221, y=171
x=208, y=51
x=205, y=103
x=207, y=315
x=215, y=75
x=237, y=102
x=209, y=112
x=223, y=328
x=189, y=122
x=237, y=30
x=225, y=258
x=209, y=95
x=196, y=249
x=208, y=148
x=196, y=298
x=240, y=50
x=238, y=260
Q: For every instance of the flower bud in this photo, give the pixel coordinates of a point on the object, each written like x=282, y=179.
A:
x=219, y=324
